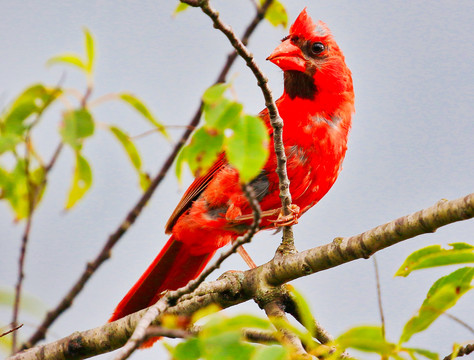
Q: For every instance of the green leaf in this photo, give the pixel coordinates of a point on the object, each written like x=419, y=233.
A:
x=14, y=186
x=425, y=353
x=215, y=93
x=133, y=155
x=81, y=182
x=32, y=101
x=76, y=126
x=68, y=59
x=89, y=44
x=276, y=14
x=128, y=146
x=434, y=255
x=273, y=352
x=443, y=295
x=226, y=345
x=139, y=106
x=303, y=309
x=8, y=142
x=202, y=151
x=246, y=321
x=222, y=115
x=247, y=147
x=187, y=350
x=180, y=8
x=366, y=338
x=206, y=311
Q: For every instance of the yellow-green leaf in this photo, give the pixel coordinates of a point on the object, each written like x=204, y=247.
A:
x=180, y=8
x=187, y=350
x=222, y=115
x=139, y=106
x=68, y=59
x=32, y=101
x=14, y=188
x=128, y=146
x=89, y=45
x=145, y=180
x=247, y=147
x=276, y=14
x=366, y=338
x=303, y=309
x=435, y=255
x=214, y=93
x=443, y=295
x=76, y=126
x=81, y=182
x=425, y=353
x=273, y=352
x=202, y=151
x=8, y=142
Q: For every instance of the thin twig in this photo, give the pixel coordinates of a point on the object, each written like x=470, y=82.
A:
x=104, y=254
x=170, y=298
x=459, y=321
x=24, y=242
x=465, y=350
x=11, y=330
x=379, y=295
x=55, y=156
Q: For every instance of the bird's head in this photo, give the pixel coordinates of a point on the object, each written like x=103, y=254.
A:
x=311, y=60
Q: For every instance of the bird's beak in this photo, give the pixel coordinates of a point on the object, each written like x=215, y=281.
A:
x=288, y=57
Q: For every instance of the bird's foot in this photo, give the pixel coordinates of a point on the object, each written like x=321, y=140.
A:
x=287, y=220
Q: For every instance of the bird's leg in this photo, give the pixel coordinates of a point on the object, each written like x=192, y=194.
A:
x=287, y=220
x=242, y=252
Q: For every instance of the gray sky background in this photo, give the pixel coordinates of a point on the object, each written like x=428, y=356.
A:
x=411, y=145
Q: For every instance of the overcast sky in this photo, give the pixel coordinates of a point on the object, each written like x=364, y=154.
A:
x=411, y=145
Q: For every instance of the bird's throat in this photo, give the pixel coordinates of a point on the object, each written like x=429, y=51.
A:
x=298, y=84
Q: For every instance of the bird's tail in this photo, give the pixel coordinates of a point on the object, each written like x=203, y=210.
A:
x=172, y=268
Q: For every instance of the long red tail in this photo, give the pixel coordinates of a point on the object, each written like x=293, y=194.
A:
x=172, y=268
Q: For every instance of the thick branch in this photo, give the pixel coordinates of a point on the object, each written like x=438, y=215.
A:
x=237, y=287
x=343, y=250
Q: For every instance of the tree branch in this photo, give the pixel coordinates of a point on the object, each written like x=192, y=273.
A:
x=343, y=250
x=236, y=287
x=465, y=350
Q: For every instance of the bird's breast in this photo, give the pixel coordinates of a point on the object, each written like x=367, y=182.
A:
x=315, y=151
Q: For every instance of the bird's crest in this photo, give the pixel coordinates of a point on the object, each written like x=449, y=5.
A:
x=306, y=28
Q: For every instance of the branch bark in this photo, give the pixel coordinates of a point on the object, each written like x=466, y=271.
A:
x=236, y=287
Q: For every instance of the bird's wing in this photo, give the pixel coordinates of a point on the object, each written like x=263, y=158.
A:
x=195, y=189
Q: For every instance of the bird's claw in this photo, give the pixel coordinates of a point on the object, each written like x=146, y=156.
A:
x=287, y=220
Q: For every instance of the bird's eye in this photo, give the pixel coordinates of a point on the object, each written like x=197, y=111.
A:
x=317, y=48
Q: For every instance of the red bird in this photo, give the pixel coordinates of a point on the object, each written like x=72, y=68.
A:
x=316, y=107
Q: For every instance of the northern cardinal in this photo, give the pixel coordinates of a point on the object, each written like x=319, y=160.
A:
x=316, y=107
